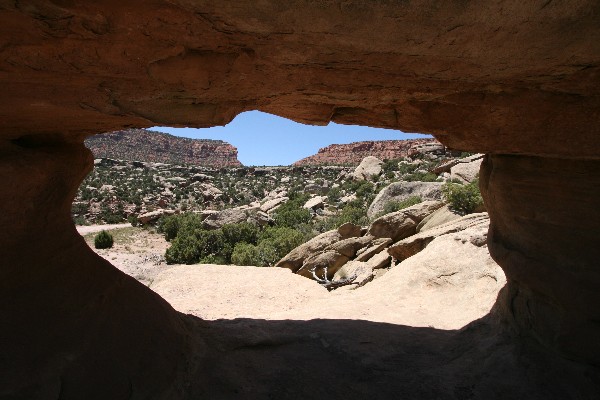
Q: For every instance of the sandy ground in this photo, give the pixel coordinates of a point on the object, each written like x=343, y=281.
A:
x=417, y=292
x=137, y=252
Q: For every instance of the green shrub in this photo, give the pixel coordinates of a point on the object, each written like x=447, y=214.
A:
x=282, y=238
x=390, y=165
x=334, y=195
x=103, y=240
x=184, y=250
x=463, y=198
x=273, y=243
x=420, y=177
x=236, y=233
x=354, y=212
x=170, y=225
x=291, y=213
x=245, y=254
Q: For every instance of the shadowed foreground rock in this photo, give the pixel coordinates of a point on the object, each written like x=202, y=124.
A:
x=519, y=80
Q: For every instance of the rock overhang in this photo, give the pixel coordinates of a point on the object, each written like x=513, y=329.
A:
x=509, y=78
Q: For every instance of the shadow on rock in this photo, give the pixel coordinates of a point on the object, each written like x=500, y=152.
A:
x=353, y=359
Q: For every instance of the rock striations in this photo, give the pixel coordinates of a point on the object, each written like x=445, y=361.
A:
x=353, y=153
x=151, y=146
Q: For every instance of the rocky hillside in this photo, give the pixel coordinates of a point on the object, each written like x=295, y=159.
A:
x=150, y=146
x=353, y=153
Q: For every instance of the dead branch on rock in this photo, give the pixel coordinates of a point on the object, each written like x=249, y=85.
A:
x=331, y=284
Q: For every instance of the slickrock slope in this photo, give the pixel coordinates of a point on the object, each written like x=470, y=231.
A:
x=353, y=153
x=519, y=80
x=151, y=146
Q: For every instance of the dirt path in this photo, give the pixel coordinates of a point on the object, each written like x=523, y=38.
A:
x=87, y=229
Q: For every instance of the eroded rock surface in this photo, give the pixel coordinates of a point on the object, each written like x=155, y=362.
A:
x=354, y=153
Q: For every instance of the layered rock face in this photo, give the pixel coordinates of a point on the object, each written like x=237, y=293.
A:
x=519, y=80
x=353, y=153
x=149, y=146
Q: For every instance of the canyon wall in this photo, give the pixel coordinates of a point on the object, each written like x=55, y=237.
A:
x=518, y=80
x=150, y=146
x=353, y=153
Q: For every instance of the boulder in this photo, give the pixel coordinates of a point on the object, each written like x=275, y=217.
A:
x=403, y=223
x=348, y=230
x=227, y=216
x=467, y=170
x=350, y=246
x=379, y=260
x=330, y=260
x=438, y=217
x=272, y=204
x=210, y=192
x=361, y=271
x=315, y=203
x=152, y=216
x=261, y=218
x=399, y=191
x=368, y=168
x=445, y=166
x=412, y=245
x=201, y=178
x=376, y=247
x=295, y=258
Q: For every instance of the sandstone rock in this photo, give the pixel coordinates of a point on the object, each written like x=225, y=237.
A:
x=153, y=216
x=361, y=271
x=403, y=223
x=468, y=169
x=329, y=259
x=151, y=146
x=295, y=258
x=377, y=246
x=368, y=168
x=315, y=203
x=399, y=191
x=201, y=178
x=209, y=191
x=413, y=244
x=227, y=216
x=349, y=230
x=262, y=218
x=354, y=153
x=445, y=166
x=379, y=260
x=438, y=217
x=349, y=247
x=276, y=193
x=348, y=198
x=449, y=274
x=271, y=205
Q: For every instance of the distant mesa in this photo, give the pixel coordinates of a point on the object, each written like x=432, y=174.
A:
x=150, y=146
x=353, y=153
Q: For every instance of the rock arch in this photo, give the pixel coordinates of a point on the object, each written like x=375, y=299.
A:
x=517, y=80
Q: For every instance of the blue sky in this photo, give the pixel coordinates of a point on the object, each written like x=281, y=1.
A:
x=265, y=139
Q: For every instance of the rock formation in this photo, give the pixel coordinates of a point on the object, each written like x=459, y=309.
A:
x=149, y=146
x=353, y=153
x=518, y=80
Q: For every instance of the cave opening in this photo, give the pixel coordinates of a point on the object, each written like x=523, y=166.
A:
x=517, y=81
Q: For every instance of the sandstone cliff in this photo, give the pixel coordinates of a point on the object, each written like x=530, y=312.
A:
x=353, y=153
x=151, y=146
